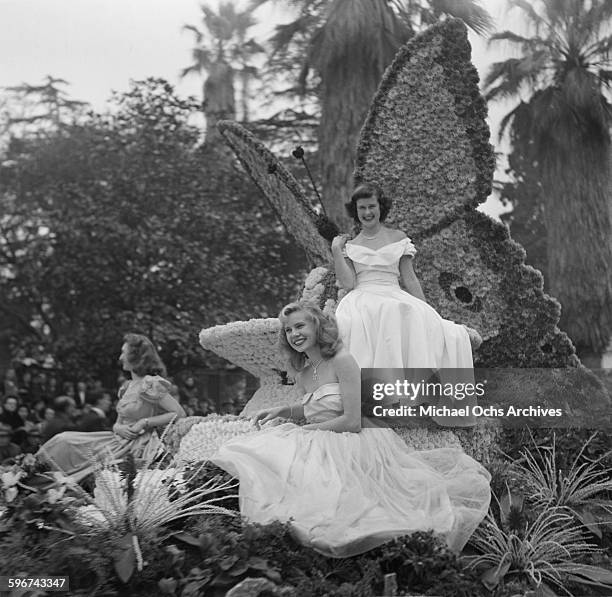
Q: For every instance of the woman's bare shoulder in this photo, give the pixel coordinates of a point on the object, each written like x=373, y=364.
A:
x=395, y=234
x=344, y=360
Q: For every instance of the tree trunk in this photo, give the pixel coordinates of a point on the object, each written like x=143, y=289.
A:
x=219, y=103
x=350, y=53
x=578, y=214
x=342, y=117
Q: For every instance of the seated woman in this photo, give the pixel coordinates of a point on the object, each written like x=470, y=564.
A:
x=346, y=489
x=382, y=325
x=145, y=404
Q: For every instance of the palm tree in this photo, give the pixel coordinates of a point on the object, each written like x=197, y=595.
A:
x=563, y=127
x=223, y=54
x=349, y=44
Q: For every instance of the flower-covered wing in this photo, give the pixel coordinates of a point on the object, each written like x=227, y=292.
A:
x=425, y=140
x=280, y=188
x=474, y=273
x=252, y=345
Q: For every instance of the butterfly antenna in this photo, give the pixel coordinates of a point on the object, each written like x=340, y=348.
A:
x=298, y=153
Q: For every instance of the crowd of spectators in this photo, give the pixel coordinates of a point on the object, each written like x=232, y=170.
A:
x=35, y=405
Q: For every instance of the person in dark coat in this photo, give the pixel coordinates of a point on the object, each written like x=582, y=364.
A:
x=96, y=418
x=65, y=408
x=8, y=450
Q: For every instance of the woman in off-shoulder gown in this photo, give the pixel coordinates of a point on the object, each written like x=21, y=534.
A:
x=145, y=404
x=345, y=489
x=382, y=325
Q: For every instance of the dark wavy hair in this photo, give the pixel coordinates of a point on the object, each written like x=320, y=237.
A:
x=142, y=356
x=326, y=327
x=367, y=190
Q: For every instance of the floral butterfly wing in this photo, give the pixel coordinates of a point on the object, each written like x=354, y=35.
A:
x=426, y=142
x=280, y=188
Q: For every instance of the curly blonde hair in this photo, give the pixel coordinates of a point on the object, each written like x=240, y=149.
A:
x=326, y=328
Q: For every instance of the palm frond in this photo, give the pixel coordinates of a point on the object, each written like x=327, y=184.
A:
x=600, y=48
x=511, y=74
x=199, y=36
x=508, y=119
x=531, y=14
x=526, y=42
x=471, y=12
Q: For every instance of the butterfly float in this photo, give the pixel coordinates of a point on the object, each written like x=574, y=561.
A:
x=425, y=141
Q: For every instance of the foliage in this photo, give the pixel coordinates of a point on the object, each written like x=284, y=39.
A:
x=584, y=489
x=126, y=222
x=424, y=564
x=206, y=472
x=535, y=537
x=563, y=130
x=523, y=192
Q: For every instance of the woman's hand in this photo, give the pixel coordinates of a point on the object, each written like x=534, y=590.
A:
x=339, y=242
x=138, y=427
x=124, y=431
x=267, y=414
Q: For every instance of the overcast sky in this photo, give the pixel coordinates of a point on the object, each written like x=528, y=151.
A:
x=100, y=45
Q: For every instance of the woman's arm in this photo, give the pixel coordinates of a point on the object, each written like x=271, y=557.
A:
x=409, y=278
x=345, y=272
x=173, y=410
x=291, y=411
x=348, y=373
x=288, y=411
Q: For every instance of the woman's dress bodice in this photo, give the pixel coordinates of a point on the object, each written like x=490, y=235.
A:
x=379, y=266
x=139, y=399
x=324, y=404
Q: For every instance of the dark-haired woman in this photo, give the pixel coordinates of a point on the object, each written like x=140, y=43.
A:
x=382, y=325
x=145, y=404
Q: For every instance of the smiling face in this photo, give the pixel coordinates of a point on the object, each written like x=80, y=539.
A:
x=300, y=331
x=368, y=212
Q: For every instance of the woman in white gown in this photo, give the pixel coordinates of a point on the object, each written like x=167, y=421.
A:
x=381, y=325
x=346, y=489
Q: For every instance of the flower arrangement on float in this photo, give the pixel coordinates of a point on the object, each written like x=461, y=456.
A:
x=205, y=438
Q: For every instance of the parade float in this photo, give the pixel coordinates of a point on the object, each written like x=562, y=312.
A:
x=425, y=141
x=172, y=527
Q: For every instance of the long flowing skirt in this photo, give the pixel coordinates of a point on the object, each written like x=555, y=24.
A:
x=76, y=453
x=386, y=328
x=346, y=493
x=383, y=326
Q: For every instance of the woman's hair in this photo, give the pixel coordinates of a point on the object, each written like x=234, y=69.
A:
x=367, y=190
x=326, y=328
x=142, y=356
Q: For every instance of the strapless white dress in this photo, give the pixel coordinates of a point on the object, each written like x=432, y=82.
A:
x=346, y=493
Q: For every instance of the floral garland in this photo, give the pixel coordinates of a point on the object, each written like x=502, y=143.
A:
x=204, y=439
